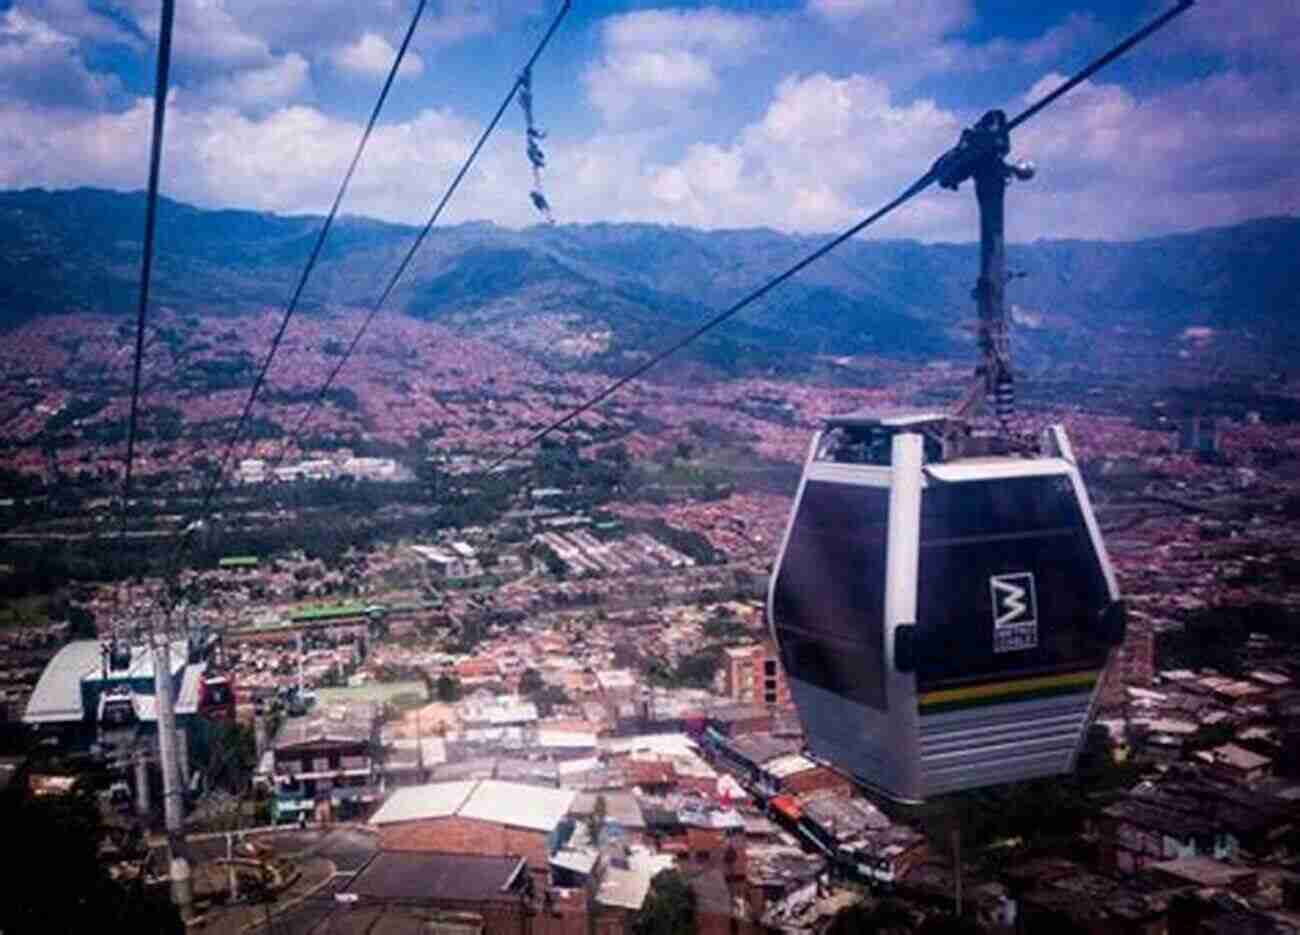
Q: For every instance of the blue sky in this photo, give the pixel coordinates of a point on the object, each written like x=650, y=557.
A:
x=801, y=115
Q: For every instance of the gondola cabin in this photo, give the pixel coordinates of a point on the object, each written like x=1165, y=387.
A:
x=217, y=697
x=944, y=619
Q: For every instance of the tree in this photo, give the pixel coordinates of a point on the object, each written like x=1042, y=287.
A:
x=448, y=688
x=596, y=820
x=530, y=682
x=82, y=623
x=59, y=884
x=547, y=698
x=669, y=907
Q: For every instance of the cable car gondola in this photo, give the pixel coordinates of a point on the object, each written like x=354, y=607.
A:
x=942, y=602
x=943, y=620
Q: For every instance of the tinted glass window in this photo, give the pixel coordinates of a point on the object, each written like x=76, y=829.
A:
x=1009, y=582
x=828, y=603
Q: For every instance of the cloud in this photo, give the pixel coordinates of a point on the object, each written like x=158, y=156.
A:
x=897, y=23
x=1247, y=36
x=825, y=151
x=41, y=65
x=262, y=88
x=657, y=63
x=1213, y=151
x=372, y=55
x=815, y=150
x=75, y=18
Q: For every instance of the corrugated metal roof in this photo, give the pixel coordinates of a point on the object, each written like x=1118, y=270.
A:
x=434, y=800
x=785, y=766
x=508, y=803
x=547, y=737
x=577, y=861
x=187, y=699
x=627, y=888
x=419, y=876
x=511, y=803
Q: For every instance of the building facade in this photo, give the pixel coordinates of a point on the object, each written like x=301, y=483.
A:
x=752, y=674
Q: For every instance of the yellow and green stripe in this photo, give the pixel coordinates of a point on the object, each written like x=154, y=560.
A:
x=991, y=693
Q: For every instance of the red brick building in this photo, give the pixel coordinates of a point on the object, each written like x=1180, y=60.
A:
x=752, y=674
x=484, y=817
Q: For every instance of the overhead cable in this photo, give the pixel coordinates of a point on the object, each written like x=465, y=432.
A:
x=161, y=80
x=945, y=167
x=519, y=82
x=215, y=482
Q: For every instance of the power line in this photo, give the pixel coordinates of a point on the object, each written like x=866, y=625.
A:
x=311, y=263
x=150, y=222
x=946, y=167
x=522, y=81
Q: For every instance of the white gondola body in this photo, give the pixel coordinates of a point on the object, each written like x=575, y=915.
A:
x=944, y=625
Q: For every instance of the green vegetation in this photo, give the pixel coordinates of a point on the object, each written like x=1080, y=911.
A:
x=447, y=688
x=669, y=907
x=30, y=611
x=546, y=697
x=57, y=883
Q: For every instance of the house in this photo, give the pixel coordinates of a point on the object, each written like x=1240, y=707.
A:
x=1237, y=764
x=323, y=765
x=753, y=675
x=438, y=892
x=487, y=817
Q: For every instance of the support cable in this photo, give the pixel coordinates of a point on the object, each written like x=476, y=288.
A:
x=521, y=81
x=161, y=80
x=955, y=163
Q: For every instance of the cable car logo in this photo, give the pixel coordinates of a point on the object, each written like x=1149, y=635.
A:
x=1015, y=612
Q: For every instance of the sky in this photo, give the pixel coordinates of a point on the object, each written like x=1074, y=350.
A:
x=798, y=115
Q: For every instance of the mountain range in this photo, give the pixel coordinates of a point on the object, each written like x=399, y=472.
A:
x=637, y=284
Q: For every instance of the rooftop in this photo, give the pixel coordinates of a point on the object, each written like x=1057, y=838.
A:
x=508, y=803
x=1202, y=871
x=421, y=876
x=57, y=695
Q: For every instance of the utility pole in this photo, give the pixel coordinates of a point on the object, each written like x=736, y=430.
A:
x=173, y=804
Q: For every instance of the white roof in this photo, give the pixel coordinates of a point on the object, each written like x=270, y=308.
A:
x=1270, y=678
x=517, y=804
x=433, y=554
x=616, y=678
x=57, y=695
x=788, y=765
x=433, y=749
x=565, y=738
x=507, y=803
x=627, y=888
x=434, y=800
x=678, y=744
x=578, y=861
x=585, y=765
x=1167, y=725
